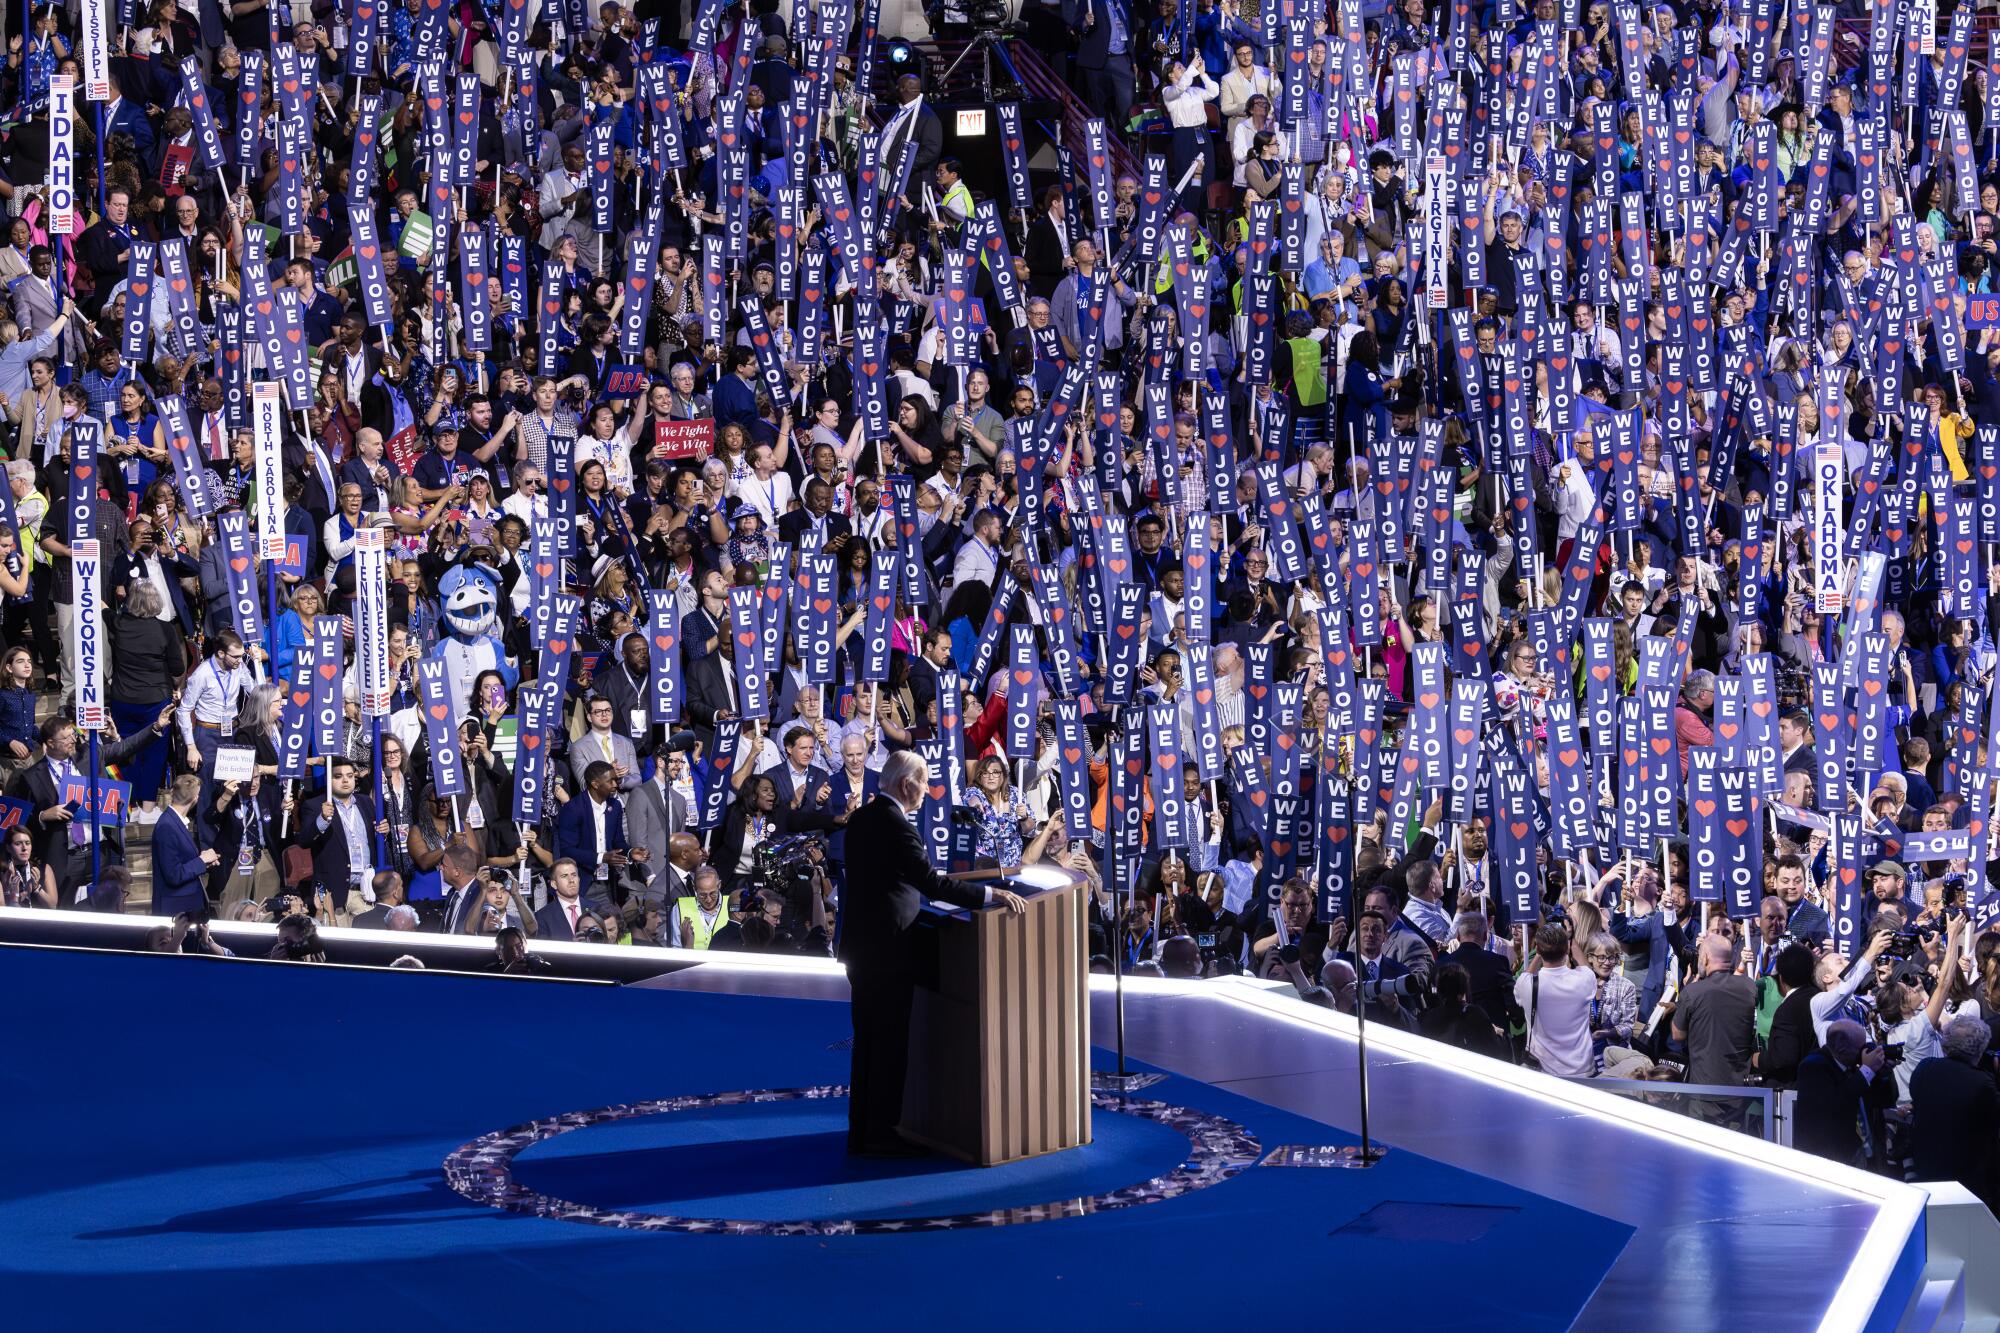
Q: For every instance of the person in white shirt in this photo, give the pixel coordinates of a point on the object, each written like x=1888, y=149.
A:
x=1556, y=995
x=979, y=559
x=767, y=489
x=1838, y=983
x=1245, y=135
x=529, y=500
x=1913, y=1022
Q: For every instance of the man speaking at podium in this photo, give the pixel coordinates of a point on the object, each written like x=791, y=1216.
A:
x=888, y=878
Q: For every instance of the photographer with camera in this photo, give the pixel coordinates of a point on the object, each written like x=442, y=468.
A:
x=1557, y=996
x=1908, y=1022
x=1385, y=984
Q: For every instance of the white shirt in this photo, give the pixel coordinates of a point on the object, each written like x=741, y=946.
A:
x=1559, y=1035
x=527, y=510
x=1920, y=1042
x=151, y=570
x=1187, y=101
x=769, y=497
x=598, y=811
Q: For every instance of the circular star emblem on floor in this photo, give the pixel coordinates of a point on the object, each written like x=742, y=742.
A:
x=483, y=1170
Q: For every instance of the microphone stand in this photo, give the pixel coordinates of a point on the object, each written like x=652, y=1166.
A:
x=1123, y=1080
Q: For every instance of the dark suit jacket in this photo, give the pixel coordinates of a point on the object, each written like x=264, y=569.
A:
x=707, y=694
x=1955, y=1128
x=180, y=879
x=1386, y=969
x=331, y=866
x=125, y=572
x=576, y=833
x=877, y=909
x=1045, y=253
x=1830, y=1103
x=1809, y=923
x=1093, y=45
x=552, y=923
x=806, y=815
x=375, y=918
x=1792, y=1039
x=355, y=472
x=37, y=784
x=1492, y=981
x=792, y=526
x=836, y=801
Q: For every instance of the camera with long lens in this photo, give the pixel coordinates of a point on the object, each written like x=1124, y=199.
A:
x=1401, y=988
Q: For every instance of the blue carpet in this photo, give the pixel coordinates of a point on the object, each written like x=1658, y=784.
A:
x=223, y=1145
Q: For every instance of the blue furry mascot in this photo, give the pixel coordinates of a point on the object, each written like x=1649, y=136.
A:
x=468, y=611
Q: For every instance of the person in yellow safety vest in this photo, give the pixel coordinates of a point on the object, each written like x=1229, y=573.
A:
x=1163, y=284
x=954, y=199
x=702, y=915
x=1307, y=364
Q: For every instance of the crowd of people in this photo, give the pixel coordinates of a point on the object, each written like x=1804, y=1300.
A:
x=1482, y=510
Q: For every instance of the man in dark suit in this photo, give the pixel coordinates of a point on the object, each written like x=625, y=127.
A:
x=1492, y=979
x=122, y=115
x=560, y=916
x=344, y=829
x=146, y=561
x=1955, y=1112
x=1792, y=1038
x=851, y=787
x=1795, y=737
x=711, y=690
x=106, y=245
x=1805, y=920
x=389, y=893
x=705, y=629
x=465, y=883
x=877, y=913
x=1106, y=39
x=180, y=867
x=1371, y=939
x=915, y=124
x=41, y=785
x=800, y=780
x=590, y=830
x=815, y=527
x=1843, y=1086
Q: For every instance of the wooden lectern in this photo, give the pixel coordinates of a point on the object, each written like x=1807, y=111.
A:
x=1000, y=1044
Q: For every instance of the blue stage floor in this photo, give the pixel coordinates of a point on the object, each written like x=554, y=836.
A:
x=212, y=1144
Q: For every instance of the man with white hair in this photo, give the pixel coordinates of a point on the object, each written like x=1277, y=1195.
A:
x=1955, y=1112
x=877, y=910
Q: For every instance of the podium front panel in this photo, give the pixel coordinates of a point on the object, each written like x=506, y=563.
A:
x=1000, y=1047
